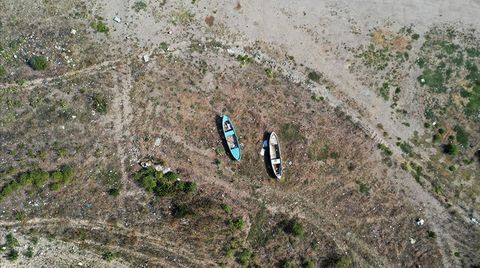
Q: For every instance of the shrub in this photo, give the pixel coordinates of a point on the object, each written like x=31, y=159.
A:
x=287, y=264
x=291, y=133
x=11, y=241
x=149, y=183
x=38, y=63
x=139, y=6
x=57, y=176
x=171, y=176
x=309, y=264
x=3, y=72
x=181, y=210
x=100, y=26
x=228, y=209
x=55, y=186
x=295, y=228
x=39, y=177
x=314, y=76
x=436, y=138
x=385, y=149
x=20, y=216
x=451, y=149
x=29, y=253
x=244, y=257
x=461, y=135
x=109, y=256
x=190, y=187
x=406, y=148
x=12, y=255
x=114, y=192
x=431, y=234
x=99, y=103
x=344, y=262
x=415, y=36
x=236, y=224
x=363, y=188
x=244, y=59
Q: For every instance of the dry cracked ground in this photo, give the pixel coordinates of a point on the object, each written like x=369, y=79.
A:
x=110, y=153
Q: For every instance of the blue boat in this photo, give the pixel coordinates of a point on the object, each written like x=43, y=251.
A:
x=231, y=138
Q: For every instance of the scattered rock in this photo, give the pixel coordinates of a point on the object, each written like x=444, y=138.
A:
x=146, y=58
x=209, y=20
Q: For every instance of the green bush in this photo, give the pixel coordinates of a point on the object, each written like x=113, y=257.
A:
x=3, y=72
x=139, y=6
x=287, y=264
x=314, y=76
x=11, y=241
x=295, y=228
x=57, y=176
x=114, y=192
x=436, y=138
x=244, y=257
x=29, y=253
x=181, y=210
x=38, y=63
x=100, y=26
x=451, y=149
x=406, y=148
x=228, y=209
x=385, y=149
x=309, y=264
x=344, y=262
x=163, y=185
x=237, y=223
x=99, y=103
x=461, y=135
x=39, y=177
x=55, y=186
x=149, y=183
x=171, y=176
x=109, y=256
x=244, y=59
x=20, y=216
x=12, y=255
x=364, y=189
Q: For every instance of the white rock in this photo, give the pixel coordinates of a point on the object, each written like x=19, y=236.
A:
x=422, y=80
x=262, y=152
x=62, y=127
x=117, y=19
x=158, y=141
x=412, y=241
x=73, y=31
x=474, y=221
x=420, y=221
x=74, y=116
x=146, y=58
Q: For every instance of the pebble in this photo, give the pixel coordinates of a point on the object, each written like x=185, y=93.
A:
x=73, y=31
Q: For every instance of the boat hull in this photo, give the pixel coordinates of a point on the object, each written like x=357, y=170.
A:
x=231, y=138
x=274, y=155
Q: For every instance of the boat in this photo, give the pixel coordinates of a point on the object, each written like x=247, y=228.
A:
x=274, y=155
x=231, y=138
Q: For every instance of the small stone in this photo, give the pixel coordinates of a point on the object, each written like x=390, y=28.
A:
x=73, y=31
x=158, y=141
x=412, y=241
x=146, y=58
x=420, y=221
x=474, y=221
x=422, y=81
x=74, y=116
x=117, y=19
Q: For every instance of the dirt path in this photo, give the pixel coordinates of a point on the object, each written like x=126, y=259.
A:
x=173, y=254
x=93, y=69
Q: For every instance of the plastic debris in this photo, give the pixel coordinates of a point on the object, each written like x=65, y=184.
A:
x=420, y=221
x=117, y=19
